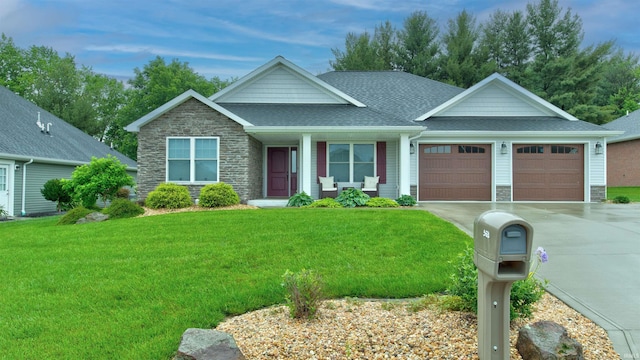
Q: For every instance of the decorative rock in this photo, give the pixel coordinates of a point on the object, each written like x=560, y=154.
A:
x=204, y=344
x=547, y=340
x=93, y=217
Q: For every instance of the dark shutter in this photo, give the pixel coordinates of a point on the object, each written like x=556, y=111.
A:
x=381, y=161
x=322, y=159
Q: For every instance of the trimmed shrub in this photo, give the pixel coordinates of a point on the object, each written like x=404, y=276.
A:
x=123, y=193
x=218, y=195
x=75, y=214
x=464, y=284
x=169, y=196
x=621, y=199
x=123, y=208
x=406, y=200
x=325, y=203
x=54, y=190
x=304, y=293
x=300, y=199
x=381, y=202
x=352, y=198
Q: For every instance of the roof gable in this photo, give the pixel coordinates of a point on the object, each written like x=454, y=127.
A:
x=58, y=142
x=136, y=125
x=282, y=82
x=497, y=96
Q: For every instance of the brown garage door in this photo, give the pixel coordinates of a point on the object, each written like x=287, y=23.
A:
x=548, y=172
x=455, y=172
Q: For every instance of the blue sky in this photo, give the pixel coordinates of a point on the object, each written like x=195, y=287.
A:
x=229, y=38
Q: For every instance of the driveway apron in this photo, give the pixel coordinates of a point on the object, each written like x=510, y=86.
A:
x=594, y=258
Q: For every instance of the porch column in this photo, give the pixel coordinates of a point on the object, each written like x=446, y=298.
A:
x=404, y=171
x=306, y=163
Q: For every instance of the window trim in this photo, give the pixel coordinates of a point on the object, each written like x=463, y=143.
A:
x=351, y=160
x=192, y=159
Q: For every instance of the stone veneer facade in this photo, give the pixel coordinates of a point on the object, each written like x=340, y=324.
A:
x=240, y=155
x=598, y=193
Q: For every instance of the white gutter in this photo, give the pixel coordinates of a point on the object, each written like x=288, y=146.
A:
x=24, y=185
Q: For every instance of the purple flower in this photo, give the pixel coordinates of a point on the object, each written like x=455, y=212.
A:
x=542, y=254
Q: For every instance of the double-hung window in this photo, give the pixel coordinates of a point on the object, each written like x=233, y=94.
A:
x=192, y=159
x=351, y=162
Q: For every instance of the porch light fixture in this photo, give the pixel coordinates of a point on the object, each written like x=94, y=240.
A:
x=598, y=148
x=503, y=148
x=412, y=148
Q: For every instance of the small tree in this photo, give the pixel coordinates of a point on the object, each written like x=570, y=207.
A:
x=101, y=178
x=54, y=190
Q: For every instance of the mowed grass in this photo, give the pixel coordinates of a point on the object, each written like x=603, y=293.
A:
x=128, y=289
x=632, y=192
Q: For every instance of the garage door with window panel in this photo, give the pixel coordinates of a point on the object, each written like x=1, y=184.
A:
x=548, y=172
x=455, y=172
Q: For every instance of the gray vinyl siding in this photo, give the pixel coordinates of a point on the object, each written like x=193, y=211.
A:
x=495, y=101
x=37, y=175
x=281, y=86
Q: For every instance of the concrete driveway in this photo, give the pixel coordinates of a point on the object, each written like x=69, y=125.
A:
x=594, y=258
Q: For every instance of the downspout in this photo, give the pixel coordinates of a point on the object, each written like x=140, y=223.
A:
x=24, y=185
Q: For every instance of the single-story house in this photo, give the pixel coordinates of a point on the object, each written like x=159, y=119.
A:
x=277, y=130
x=623, y=164
x=36, y=146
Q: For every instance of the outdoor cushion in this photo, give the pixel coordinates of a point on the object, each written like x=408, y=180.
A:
x=370, y=183
x=327, y=183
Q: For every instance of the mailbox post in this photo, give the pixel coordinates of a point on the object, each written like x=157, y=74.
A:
x=502, y=254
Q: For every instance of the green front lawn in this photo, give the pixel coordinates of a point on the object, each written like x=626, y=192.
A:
x=632, y=192
x=127, y=289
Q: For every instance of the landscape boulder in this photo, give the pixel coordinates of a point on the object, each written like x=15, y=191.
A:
x=547, y=340
x=93, y=217
x=206, y=344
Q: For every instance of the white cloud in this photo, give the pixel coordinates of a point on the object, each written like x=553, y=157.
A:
x=136, y=49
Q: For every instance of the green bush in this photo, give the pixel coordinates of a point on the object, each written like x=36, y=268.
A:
x=169, y=196
x=325, y=203
x=381, y=202
x=3, y=213
x=75, y=214
x=406, y=200
x=101, y=178
x=300, y=199
x=218, y=195
x=54, y=190
x=123, y=208
x=352, y=197
x=464, y=284
x=621, y=199
x=304, y=293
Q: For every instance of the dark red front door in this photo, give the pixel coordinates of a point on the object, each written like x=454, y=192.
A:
x=278, y=171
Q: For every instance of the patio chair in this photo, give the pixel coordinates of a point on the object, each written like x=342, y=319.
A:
x=328, y=188
x=371, y=186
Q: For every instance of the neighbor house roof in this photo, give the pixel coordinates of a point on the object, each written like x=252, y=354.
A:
x=630, y=124
x=22, y=139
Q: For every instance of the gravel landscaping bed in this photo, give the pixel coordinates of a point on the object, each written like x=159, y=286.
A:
x=356, y=329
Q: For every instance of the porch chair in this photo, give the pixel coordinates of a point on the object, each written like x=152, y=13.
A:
x=371, y=186
x=328, y=188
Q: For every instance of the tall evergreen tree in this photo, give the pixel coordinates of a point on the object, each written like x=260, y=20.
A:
x=418, y=47
x=361, y=53
x=462, y=64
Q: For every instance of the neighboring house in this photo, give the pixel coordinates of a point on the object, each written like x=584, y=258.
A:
x=623, y=163
x=275, y=131
x=36, y=146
